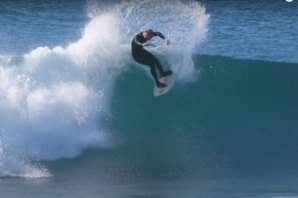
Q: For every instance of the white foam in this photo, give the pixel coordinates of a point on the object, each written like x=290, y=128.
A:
x=53, y=100
x=52, y=103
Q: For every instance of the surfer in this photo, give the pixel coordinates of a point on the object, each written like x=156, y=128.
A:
x=146, y=58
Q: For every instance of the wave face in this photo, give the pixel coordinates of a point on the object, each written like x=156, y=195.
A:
x=239, y=115
x=57, y=102
x=238, y=119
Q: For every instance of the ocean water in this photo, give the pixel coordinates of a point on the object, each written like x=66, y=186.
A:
x=78, y=117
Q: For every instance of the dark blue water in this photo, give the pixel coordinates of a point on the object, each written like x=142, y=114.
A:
x=78, y=117
x=263, y=30
x=27, y=25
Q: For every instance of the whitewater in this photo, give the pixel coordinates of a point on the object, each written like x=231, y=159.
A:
x=54, y=101
x=78, y=117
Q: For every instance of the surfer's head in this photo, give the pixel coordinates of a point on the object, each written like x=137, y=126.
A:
x=147, y=33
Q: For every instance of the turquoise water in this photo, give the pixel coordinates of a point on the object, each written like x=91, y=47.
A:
x=78, y=117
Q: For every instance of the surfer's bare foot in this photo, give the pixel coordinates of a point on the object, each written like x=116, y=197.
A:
x=161, y=85
x=167, y=73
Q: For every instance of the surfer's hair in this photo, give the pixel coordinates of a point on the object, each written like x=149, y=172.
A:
x=148, y=31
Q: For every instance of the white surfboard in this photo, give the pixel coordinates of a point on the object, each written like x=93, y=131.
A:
x=169, y=81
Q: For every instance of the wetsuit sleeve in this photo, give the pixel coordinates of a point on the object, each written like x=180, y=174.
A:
x=136, y=39
x=159, y=34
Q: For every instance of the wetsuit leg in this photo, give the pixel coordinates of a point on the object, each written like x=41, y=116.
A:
x=158, y=65
x=146, y=58
x=154, y=74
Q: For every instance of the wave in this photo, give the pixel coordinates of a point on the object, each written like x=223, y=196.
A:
x=55, y=102
x=223, y=113
x=238, y=117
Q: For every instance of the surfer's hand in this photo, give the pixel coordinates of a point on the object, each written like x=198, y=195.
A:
x=167, y=41
x=145, y=44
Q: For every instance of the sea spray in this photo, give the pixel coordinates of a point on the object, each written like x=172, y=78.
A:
x=184, y=23
x=54, y=100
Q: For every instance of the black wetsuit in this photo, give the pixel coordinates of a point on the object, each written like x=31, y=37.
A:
x=144, y=57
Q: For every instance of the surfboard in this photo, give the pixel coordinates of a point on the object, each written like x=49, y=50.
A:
x=169, y=81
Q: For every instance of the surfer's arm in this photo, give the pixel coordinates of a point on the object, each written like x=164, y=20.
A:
x=167, y=41
x=159, y=34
